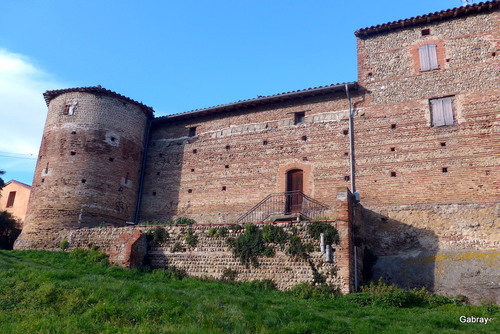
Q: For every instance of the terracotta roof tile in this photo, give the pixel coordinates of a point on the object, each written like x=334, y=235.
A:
x=51, y=94
x=260, y=100
x=432, y=17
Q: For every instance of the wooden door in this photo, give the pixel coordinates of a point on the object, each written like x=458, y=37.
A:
x=294, y=182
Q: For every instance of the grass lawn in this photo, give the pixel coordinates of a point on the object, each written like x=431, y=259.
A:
x=58, y=292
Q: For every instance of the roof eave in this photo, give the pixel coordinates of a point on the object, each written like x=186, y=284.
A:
x=260, y=101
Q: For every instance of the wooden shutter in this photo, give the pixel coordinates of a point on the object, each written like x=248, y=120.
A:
x=432, y=52
x=437, y=113
x=428, y=57
x=448, y=111
x=424, y=58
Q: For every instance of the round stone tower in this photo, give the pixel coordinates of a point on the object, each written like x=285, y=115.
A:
x=89, y=165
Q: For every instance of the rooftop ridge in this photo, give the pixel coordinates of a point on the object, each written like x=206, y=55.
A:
x=262, y=100
x=428, y=18
x=51, y=94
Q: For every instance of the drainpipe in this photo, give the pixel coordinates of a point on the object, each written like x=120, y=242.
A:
x=143, y=168
x=353, y=180
x=351, y=141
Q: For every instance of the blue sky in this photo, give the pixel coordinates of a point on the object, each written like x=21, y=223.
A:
x=173, y=55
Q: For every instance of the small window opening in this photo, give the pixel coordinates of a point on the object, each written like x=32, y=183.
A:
x=393, y=126
x=160, y=155
x=192, y=170
x=346, y=178
x=393, y=149
x=228, y=147
x=304, y=138
x=154, y=193
x=299, y=117
x=43, y=180
x=192, y=131
x=443, y=144
x=73, y=153
x=113, y=138
x=226, y=166
x=111, y=159
x=10, y=200
x=73, y=132
x=493, y=54
x=126, y=178
x=345, y=132
x=426, y=32
x=84, y=180
x=157, y=173
x=190, y=191
x=346, y=154
x=223, y=188
x=393, y=174
x=305, y=159
x=265, y=142
x=195, y=151
x=444, y=169
x=370, y=74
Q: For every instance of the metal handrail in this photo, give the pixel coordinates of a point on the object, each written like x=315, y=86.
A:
x=289, y=203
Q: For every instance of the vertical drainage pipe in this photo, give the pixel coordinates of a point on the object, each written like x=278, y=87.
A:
x=351, y=141
x=353, y=180
x=143, y=167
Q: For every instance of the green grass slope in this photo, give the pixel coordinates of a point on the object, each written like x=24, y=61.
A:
x=77, y=292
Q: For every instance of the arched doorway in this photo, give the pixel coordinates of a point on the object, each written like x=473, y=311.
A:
x=294, y=189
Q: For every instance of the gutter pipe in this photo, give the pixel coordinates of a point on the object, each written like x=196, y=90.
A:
x=353, y=181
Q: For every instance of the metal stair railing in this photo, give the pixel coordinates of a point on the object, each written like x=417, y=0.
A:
x=285, y=204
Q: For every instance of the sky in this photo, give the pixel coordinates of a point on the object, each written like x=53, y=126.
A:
x=174, y=56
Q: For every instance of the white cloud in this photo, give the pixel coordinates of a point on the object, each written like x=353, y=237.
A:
x=22, y=108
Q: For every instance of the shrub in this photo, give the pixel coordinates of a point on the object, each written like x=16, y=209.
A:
x=274, y=234
x=248, y=245
x=315, y=229
x=185, y=221
x=216, y=233
x=172, y=273
x=296, y=248
x=191, y=238
x=361, y=298
x=308, y=291
x=263, y=285
x=94, y=255
x=157, y=235
x=212, y=232
x=8, y=230
x=177, y=247
x=398, y=298
x=64, y=244
x=229, y=275
x=379, y=287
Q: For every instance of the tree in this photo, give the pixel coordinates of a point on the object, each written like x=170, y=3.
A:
x=9, y=230
x=2, y=184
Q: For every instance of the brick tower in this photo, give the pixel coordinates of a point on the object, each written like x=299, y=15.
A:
x=89, y=165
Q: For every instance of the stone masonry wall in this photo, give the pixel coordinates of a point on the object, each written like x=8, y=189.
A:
x=212, y=256
x=88, y=167
x=431, y=193
x=238, y=158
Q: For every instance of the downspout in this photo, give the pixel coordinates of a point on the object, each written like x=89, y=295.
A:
x=351, y=141
x=353, y=181
x=143, y=169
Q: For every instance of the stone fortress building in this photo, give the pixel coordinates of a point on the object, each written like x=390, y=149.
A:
x=424, y=157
